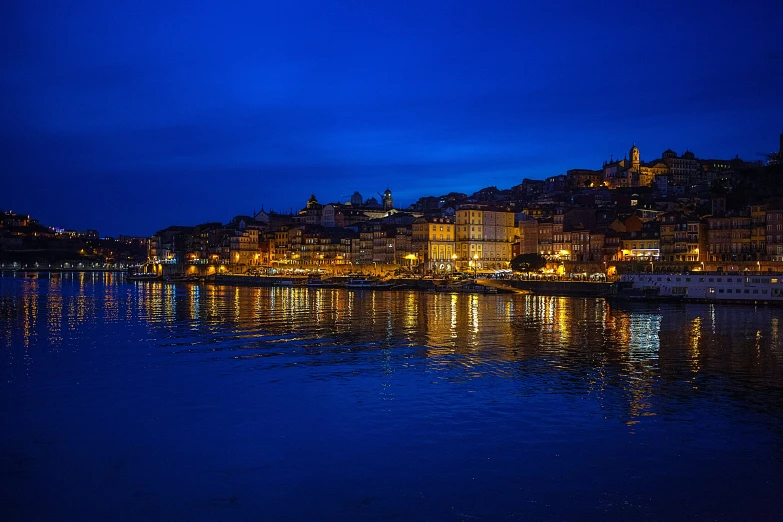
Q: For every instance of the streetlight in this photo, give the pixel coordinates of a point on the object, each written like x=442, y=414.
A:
x=475, y=266
x=453, y=263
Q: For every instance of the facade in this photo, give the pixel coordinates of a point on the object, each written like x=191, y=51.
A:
x=730, y=238
x=774, y=236
x=528, y=237
x=684, y=169
x=390, y=243
x=758, y=231
x=433, y=243
x=243, y=248
x=484, y=237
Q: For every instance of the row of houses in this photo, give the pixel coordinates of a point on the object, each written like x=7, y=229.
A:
x=675, y=236
x=477, y=236
x=480, y=237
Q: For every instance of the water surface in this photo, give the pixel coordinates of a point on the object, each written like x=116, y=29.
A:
x=157, y=401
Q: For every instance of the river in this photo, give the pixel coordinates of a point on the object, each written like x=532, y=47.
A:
x=155, y=401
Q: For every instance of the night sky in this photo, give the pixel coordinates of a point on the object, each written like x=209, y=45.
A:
x=129, y=119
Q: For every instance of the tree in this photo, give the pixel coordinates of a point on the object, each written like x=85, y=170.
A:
x=528, y=263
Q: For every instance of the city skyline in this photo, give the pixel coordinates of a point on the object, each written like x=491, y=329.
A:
x=131, y=119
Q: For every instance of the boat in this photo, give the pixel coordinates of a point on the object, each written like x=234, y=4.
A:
x=465, y=287
x=701, y=287
x=142, y=277
x=631, y=291
x=320, y=283
x=182, y=279
x=369, y=284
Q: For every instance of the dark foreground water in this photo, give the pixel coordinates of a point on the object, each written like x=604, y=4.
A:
x=160, y=402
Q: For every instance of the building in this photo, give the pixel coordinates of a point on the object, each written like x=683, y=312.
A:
x=774, y=236
x=433, y=243
x=484, y=237
x=632, y=172
x=243, y=247
x=311, y=214
x=528, y=237
x=683, y=170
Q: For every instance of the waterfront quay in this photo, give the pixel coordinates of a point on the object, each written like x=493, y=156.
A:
x=480, y=284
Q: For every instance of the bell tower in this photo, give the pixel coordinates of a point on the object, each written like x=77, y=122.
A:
x=635, y=156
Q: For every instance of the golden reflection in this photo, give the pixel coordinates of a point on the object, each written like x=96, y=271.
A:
x=563, y=322
x=111, y=308
x=236, y=304
x=411, y=311
x=474, y=313
x=695, y=339
x=453, y=324
x=30, y=311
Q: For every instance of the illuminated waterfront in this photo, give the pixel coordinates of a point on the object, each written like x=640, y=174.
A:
x=160, y=401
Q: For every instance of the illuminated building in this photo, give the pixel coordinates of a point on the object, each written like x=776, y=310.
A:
x=632, y=172
x=433, y=242
x=484, y=235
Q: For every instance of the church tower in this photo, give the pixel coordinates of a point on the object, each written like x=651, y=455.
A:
x=635, y=157
x=387, y=200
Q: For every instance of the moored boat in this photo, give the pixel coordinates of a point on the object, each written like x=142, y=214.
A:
x=142, y=277
x=701, y=287
x=182, y=279
x=369, y=284
x=465, y=287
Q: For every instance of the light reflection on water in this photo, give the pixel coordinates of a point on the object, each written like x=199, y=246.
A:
x=496, y=380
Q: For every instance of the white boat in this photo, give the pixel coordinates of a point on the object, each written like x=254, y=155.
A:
x=703, y=287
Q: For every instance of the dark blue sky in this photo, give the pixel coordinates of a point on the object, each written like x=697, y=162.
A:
x=130, y=119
